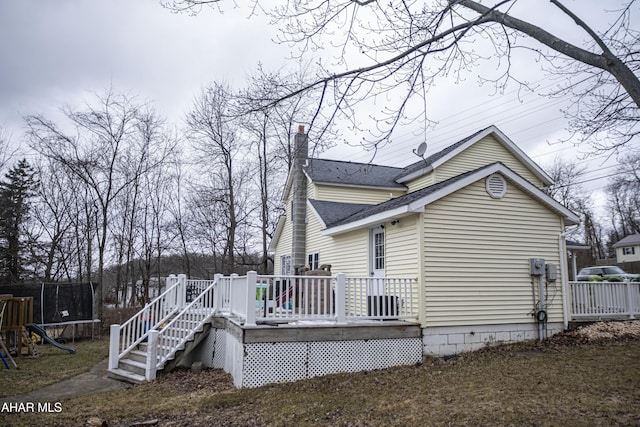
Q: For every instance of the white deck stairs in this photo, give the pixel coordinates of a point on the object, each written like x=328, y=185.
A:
x=132, y=368
x=161, y=334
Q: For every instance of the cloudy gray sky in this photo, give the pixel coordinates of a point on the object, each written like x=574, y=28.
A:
x=56, y=53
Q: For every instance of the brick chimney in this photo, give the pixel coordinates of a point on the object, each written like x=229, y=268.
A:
x=299, y=200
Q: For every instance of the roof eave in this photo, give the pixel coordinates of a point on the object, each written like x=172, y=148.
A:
x=372, y=220
x=276, y=234
x=287, y=185
x=413, y=175
x=370, y=187
x=315, y=212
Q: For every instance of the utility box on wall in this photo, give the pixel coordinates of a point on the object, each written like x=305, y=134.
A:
x=536, y=266
x=552, y=272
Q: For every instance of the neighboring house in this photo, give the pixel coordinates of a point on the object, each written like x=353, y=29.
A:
x=128, y=297
x=465, y=222
x=628, y=249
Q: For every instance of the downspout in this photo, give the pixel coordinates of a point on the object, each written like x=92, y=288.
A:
x=422, y=308
x=563, y=282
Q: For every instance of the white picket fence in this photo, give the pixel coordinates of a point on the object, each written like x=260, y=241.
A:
x=604, y=300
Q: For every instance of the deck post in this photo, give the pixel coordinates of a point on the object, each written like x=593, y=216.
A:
x=114, y=346
x=341, y=316
x=217, y=293
x=152, y=356
x=250, y=295
x=182, y=290
x=629, y=299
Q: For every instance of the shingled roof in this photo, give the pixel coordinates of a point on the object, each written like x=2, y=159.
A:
x=434, y=157
x=347, y=216
x=339, y=172
x=334, y=212
x=405, y=199
x=630, y=240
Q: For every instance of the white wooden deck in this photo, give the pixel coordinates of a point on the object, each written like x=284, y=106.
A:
x=290, y=319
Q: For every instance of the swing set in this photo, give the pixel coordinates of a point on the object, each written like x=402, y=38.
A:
x=4, y=353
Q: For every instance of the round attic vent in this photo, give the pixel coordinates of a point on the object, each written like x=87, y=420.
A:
x=496, y=186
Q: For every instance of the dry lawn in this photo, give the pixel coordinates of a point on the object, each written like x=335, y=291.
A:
x=590, y=378
x=51, y=366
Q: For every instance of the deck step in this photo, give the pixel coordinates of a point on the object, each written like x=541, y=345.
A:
x=123, y=375
x=138, y=356
x=133, y=366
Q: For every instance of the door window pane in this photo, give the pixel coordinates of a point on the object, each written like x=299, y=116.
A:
x=378, y=250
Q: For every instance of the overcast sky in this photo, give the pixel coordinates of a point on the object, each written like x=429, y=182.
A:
x=56, y=53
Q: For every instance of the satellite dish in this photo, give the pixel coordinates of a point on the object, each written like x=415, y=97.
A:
x=422, y=148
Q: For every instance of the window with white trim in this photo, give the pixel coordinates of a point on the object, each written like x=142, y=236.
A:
x=285, y=265
x=629, y=250
x=313, y=261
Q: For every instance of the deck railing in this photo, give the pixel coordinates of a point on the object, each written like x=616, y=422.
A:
x=604, y=300
x=381, y=298
x=125, y=337
x=173, y=336
x=173, y=318
x=322, y=298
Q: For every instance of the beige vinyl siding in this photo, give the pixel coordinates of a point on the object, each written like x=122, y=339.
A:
x=482, y=153
x=420, y=182
x=285, y=242
x=353, y=195
x=347, y=253
x=401, y=252
x=476, y=262
x=311, y=190
x=401, y=258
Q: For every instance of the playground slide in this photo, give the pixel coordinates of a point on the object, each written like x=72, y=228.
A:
x=43, y=334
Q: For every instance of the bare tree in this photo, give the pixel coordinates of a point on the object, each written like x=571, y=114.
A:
x=215, y=137
x=157, y=186
x=100, y=156
x=270, y=130
x=53, y=212
x=179, y=218
x=393, y=52
x=624, y=198
x=566, y=187
x=7, y=152
x=568, y=190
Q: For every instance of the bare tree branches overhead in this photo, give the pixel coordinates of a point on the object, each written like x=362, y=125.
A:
x=104, y=150
x=390, y=54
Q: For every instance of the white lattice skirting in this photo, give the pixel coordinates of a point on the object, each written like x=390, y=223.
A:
x=257, y=364
x=290, y=361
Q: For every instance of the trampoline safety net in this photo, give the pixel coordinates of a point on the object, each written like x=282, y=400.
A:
x=56, y=302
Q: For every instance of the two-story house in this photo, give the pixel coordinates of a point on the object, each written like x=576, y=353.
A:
x=468, y=222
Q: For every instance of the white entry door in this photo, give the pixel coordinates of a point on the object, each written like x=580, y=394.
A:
x=376, y=261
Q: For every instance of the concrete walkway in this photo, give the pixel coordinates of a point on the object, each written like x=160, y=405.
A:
x=93, y=381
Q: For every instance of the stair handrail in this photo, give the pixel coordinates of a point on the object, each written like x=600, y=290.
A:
x=158, y=311
x=182, y=328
